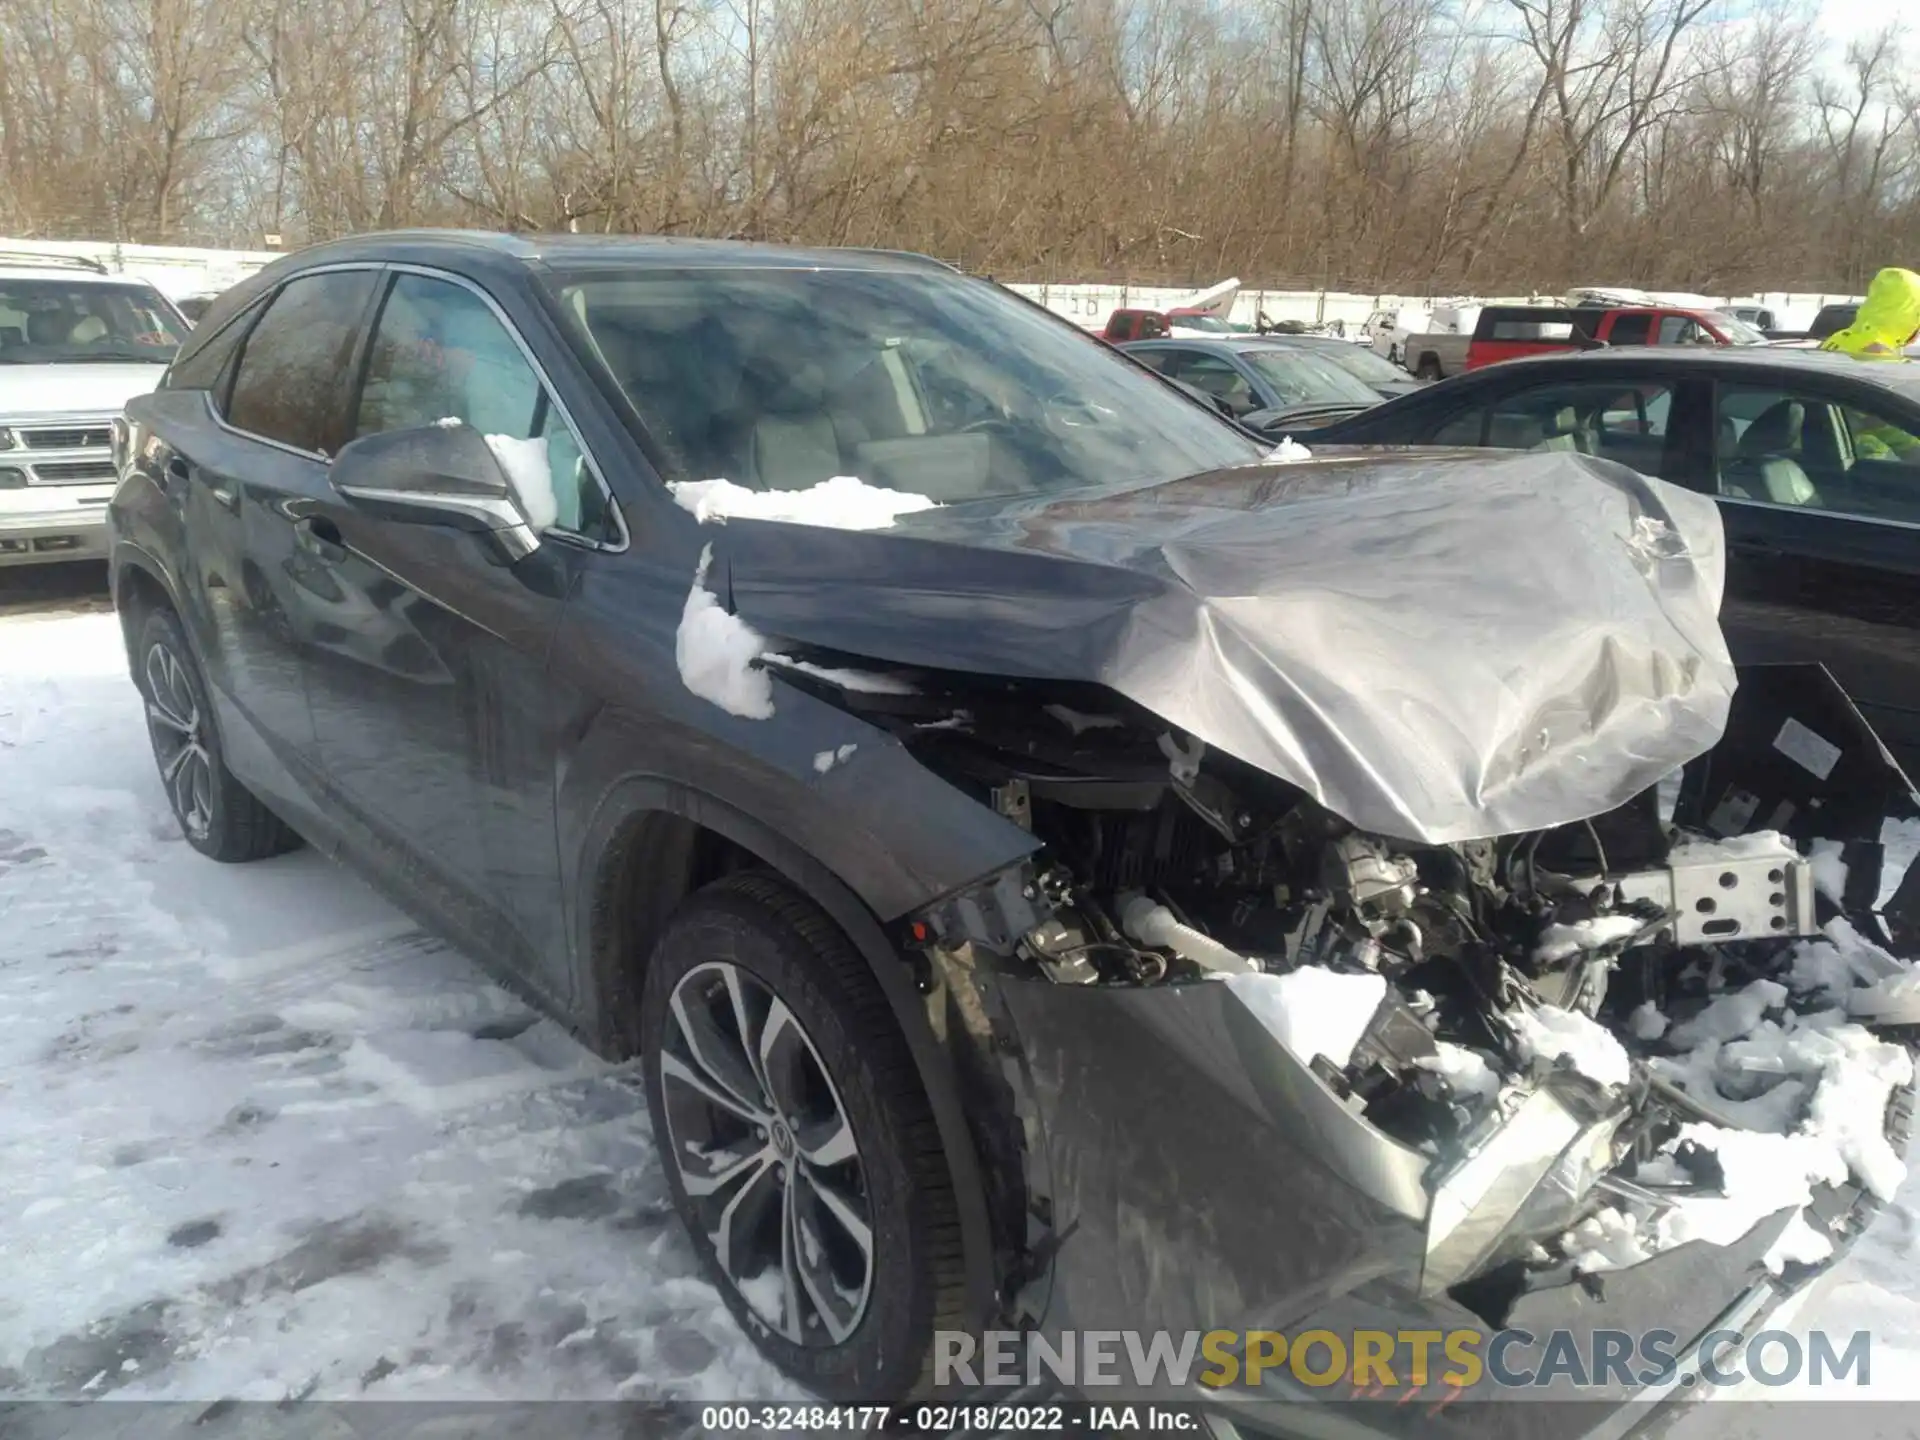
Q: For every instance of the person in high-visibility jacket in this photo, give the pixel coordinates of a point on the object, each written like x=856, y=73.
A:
x=1887, y=322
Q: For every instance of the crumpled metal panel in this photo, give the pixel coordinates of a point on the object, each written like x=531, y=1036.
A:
x=1436, y=645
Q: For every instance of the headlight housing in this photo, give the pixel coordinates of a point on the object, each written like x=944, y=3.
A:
x=8, y=439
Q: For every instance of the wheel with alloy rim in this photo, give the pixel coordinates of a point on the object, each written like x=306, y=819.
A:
x=217, y=814
x=806, y=1165
x=179, y=733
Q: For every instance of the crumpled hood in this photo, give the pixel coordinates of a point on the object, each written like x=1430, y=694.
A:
x=1437, y=646
x=1887, y=320
x=73, y=389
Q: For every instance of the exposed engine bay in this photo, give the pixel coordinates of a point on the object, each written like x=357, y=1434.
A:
x=1535, y=1038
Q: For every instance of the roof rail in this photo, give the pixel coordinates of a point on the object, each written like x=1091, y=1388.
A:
x=35, y=257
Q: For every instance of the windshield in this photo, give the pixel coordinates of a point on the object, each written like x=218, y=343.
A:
x=1361, y=363
x=1305, y=377
x=1210, y=324
x=926, y=382
x=1737, y=331
x=51, y=322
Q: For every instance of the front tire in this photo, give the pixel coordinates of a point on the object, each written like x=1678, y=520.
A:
x=218, y=815
x=798, y=1141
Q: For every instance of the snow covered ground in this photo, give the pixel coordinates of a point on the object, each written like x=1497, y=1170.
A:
x=261, y=1137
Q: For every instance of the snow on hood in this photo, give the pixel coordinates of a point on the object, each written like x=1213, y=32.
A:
x=78, y=389
x=842, y=503
x=1438, y=647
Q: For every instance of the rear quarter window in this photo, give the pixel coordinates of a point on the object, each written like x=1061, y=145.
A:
x=294, y=370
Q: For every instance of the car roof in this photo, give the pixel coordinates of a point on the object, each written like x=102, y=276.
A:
x=451, y=247
x=1897, y=375
x=74, y=273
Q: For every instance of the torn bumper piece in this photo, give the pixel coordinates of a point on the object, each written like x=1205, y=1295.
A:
x=1206, y=1192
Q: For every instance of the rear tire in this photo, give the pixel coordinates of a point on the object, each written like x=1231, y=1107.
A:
x=1429, y=368
x=218, y=815
x=798, y=1141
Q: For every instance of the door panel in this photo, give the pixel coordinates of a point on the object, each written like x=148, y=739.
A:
x=428, y=694
x=1822, y=566
x=247, y=442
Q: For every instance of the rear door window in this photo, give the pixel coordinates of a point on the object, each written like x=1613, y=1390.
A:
x=295, y=367
x=1612, y=419
x=1630, y=330
x=1818, y=450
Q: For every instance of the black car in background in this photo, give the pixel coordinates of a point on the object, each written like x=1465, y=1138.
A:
x=1272, y=384
x=1386, y=379
x=967, y=851
x=1813, y=458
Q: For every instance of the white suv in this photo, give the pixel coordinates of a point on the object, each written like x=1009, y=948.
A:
x=76, y=343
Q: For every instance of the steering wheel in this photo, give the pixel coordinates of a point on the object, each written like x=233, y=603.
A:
x=986, y=425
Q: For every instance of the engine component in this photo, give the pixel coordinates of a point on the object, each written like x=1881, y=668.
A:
x=1153, y=924
x=1359, y=870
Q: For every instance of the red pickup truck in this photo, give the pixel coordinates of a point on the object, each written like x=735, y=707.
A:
x=1506, y=331
x=1123, y=325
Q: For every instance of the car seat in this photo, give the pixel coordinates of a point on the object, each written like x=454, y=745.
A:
x=794, y=445
x=49, y=327
x=1764, y=467
x=1565, y=432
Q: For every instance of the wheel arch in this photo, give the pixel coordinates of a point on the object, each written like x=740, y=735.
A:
x=139, y=585
x=653, y=841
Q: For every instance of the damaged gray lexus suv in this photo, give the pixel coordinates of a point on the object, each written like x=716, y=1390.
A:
x=1056, y=865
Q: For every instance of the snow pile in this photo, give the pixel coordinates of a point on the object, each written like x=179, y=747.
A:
x=1829, y=870
x=1858, y=1075
x=1849, y=968
x=1805, y=1096
x=1466, y=1072
x=825, y=760
x=1646, y=1022
x=263, y=1137
x=1313, y=1010
x=1799, y=1244
x=1608, y=1239
x=1762, y=1174
x=715, y=651
x=842, y=503
x=525, y=462
x=1759, y=844
x=1548, y=1033
x=1563, y=942
x=1729, y=1016
x=1288, y=452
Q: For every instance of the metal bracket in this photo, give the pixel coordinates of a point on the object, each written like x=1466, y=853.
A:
x=1717, y=899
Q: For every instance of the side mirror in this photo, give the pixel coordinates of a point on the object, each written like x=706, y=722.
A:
x=440, y=474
